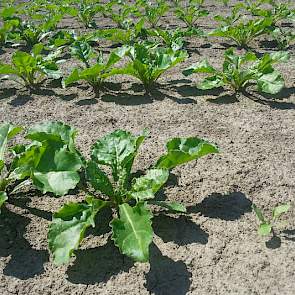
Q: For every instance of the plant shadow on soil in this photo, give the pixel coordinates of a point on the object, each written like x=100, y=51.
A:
x=25, y=262
x=140, y=98
x=226, y=207
x=165, y=276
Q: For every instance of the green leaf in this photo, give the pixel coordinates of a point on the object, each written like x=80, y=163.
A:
x=271, y=83
x=117, y=150
x=279, y=210
x=7, y=70
x=3, y=198
x=7, y=131
x=171, y=206
x=99, y=179
x=68, y=227
x=258, y=213
x=146, y=186
x=132, y=232
x=264, y=229
x=200, y=67
x=53, y=131
x=52, y=161
x=211, y=82
x=183, y=150
x=57, y=182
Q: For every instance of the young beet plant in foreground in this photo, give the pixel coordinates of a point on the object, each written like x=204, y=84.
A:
x=129, y=197
x=30, y=69
x=149, y=62
x=268, y=226
x=241, y=70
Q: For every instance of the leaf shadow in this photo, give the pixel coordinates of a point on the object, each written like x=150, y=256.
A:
x=180, y=230
x=289, y=235
x=273, y=100
x=20, y=100
x=166, y=276
x=192, y=90
x=273, y=243
x=7, y=92
x=97, y=265
x=22, y=202
x=228, y=207
x=25, y=262
x=224, y=99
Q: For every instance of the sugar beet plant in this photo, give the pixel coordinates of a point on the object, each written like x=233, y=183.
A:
x=28, y=69
x=129, y=197
x=149, y=62
x=241, y=70
x=266, y=225
x=95, y=75
x=243, y=33
x=190, y=11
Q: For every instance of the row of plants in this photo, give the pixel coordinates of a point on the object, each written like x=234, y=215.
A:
x=147, y=62
x=51, y=163
x=135, y=20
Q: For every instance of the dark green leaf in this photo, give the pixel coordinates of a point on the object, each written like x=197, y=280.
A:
x=146, y=186
x=132, y=232
x=183, y=150
x=68, y=227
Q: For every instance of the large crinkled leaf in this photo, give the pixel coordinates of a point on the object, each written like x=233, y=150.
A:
x=3, y=198
x=146, y=186
x=52, y=160
x=7, y=131
x=57, y=182
x=132, y=231
x=98, y=179
x=68, y=227
x=53, y=131
x=182, y=150
x=117, y=150
x=271, y=83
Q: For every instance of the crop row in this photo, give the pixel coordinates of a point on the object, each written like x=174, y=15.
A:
x=149, y=49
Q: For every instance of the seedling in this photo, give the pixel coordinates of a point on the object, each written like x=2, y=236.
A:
x=96, y=74
x=175, y=39
x=29, y=70
x=129, y=197
x=243, y=33
x=267, y=226
x=153, y=12
x=191, y=12
x=241, y=70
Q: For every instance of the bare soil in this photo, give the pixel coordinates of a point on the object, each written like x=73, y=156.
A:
x=215, y=248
